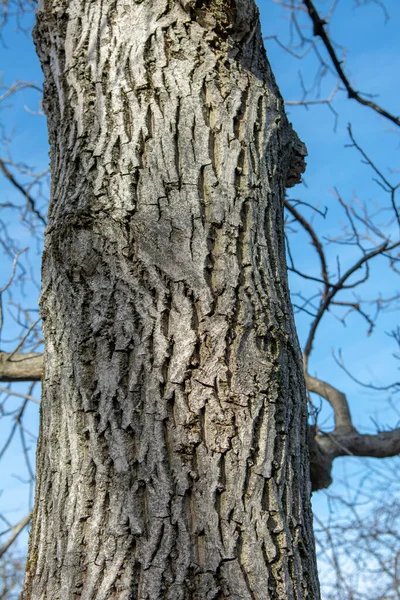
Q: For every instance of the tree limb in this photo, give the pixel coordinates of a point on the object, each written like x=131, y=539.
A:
x=319, y=30
x=336, y=399
x=338, y=286
x=381, y=445
x=8, y=175
x=344, y=440
x=21, y=367
x=16, y=530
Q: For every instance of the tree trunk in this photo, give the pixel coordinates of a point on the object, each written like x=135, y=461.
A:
x=172, y=461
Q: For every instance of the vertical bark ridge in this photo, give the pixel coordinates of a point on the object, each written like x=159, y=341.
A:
x=173, y=458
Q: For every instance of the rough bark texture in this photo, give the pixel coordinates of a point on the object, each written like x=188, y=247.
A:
x=173, y=459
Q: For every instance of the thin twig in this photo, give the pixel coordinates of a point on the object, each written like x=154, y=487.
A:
x=319, y=30
x=16, y=530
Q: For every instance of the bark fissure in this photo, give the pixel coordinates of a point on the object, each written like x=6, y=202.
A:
x=173, y=458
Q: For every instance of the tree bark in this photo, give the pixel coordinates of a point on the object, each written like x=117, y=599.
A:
x=173, y=460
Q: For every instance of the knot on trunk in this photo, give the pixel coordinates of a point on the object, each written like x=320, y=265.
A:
x=225, y=17
x=297, y=163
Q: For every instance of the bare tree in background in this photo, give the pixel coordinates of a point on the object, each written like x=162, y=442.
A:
x=357, y=543
x=12, y=569
x=336, y=291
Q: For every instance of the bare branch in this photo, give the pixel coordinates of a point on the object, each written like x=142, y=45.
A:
x=17, y=255
x=340, y=362
x=18, y=86
x=381, y=445
x=390, y=188
x=319, y=30
x=315, y=241
x=16, y=530
x=32, y=204
x=21, y=367
x=336, y=399
x=344, y=440
x=13, y=393
x=355, y=306
x=340, y=285
x=23, y=339
x=325, y=447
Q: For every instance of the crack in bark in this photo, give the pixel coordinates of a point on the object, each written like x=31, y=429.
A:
x=168, y=351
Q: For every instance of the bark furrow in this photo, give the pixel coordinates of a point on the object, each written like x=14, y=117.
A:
x=173, y=456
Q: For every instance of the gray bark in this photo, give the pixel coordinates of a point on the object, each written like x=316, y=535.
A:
x=172, y=461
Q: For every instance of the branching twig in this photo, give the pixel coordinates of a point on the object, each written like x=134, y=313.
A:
x=319, y=30
x=18, y=395
x=16, y=530
x=390, y=188
x=7, y=173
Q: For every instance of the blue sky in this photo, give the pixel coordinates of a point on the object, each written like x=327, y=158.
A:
x=372, y=62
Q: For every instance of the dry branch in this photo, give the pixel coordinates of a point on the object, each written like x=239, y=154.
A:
x=320, y=31
x=15, y=531
x=21, y=367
